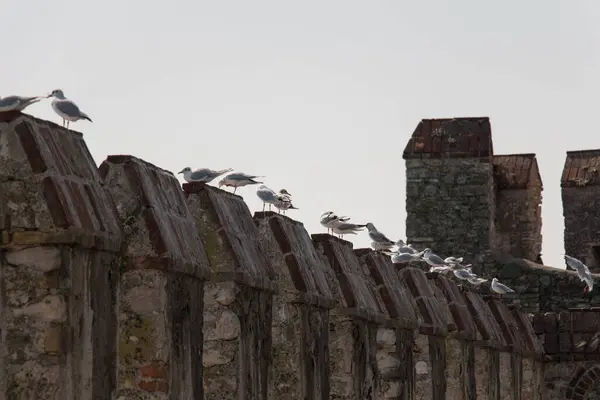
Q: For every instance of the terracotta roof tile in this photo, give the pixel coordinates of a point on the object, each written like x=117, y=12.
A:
x=451, y=137
x=582, y=168
x=514, y=171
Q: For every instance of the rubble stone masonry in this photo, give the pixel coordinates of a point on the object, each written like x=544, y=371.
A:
x=117, y=283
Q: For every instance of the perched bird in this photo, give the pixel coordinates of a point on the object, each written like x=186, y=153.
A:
x=462, y=274
x=403, y=248
x=267, y=195
x=329, y=220
x=239, y=179
x=17, y=103
x=379, y=237
x=453, y=260
x=500, y=288
x=284, y=192
x=582, y=270
x=590, y=345
x=284, y=202
x=205, y=175
x=441, y=269
x=475, y=280
x=346, y=228
x=433, y=259
x=402, y=258
x=66, y=108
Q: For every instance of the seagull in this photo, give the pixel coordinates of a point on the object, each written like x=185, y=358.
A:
x=329, y=220
x=433, y=259
x=267, y=195
x=453, y=260
x=380, y=246
x=403, y=248
x=239, y=179
x=462, y=274
x=444, y=269
x=284, y=202
x=475, y=280
x=17, y=103
x=582, y=270
x=346, y=228
x=379, y=237
x=500, y=287
x=402, y=258
x=591, y=344
x=66, y=108
x=205, y=175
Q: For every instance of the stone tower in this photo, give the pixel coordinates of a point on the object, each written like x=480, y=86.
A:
x=581, y=206
x=450, y=186
x=518, y=217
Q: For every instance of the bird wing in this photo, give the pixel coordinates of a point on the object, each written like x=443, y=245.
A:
x=379, y=237
x=202, y=173
x=503, y=287
x=67, y=107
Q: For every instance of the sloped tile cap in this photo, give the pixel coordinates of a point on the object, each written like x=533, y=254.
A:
x=490, y=334
x=159, y=230
x=231, y=238
x=396, y=297
x=582, y=168
x=469, y=137
x=465, y=325
x=305, y=268
x=434, y=323
x=357, y=295
x=508, y=326
x=51, y=182
x=514, y=171
x=533, y=347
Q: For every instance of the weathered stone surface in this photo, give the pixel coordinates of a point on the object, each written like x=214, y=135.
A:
x=161, y=288
x=448, y=203
x=239, y=356
x=231, y=238
x=350, y=275
x=460, y=315
x=580, y=182
x=59, y=267
x=518, y=217
x=301, y=273
x=300, y=367
x=394, y=295
x=540, y=288
x=49, y=183
x=159, y=229
x=434, y=318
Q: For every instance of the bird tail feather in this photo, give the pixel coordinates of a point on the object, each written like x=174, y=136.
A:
x=85, y=116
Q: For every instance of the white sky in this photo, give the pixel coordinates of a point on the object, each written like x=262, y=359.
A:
x=319, y=96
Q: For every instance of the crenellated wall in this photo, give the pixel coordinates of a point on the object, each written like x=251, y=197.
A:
x=118, y=283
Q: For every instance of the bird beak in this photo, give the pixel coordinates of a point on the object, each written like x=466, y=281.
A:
x=49, y=95
x=180, y=172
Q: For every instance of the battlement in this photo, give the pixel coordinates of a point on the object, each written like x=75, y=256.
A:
x=116, y=279
x=117, y=282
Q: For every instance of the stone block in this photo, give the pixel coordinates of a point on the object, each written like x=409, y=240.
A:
x=433, y=320
x=462, y=318
x=489, y=333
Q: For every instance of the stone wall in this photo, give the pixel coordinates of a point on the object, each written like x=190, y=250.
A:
x=571, y=373
x=540, y=288
x=518, y=218
x=580, y=195
x=449, y=186
x=119, y=284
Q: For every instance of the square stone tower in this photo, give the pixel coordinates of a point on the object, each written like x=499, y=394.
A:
x=518, y=222
x=450, y=197
x=580, y=184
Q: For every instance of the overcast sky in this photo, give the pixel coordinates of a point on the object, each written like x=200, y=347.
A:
x=319, y=96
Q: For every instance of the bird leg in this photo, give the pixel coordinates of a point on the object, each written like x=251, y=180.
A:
x=234, y=189
x=68, y=124
x=269, y=207
x=263, y=207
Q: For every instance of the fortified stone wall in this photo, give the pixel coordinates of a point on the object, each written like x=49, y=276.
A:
x=571, y=373
x=116, y=283
x=518, y=218
x=581, y=202
x=506, y=201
